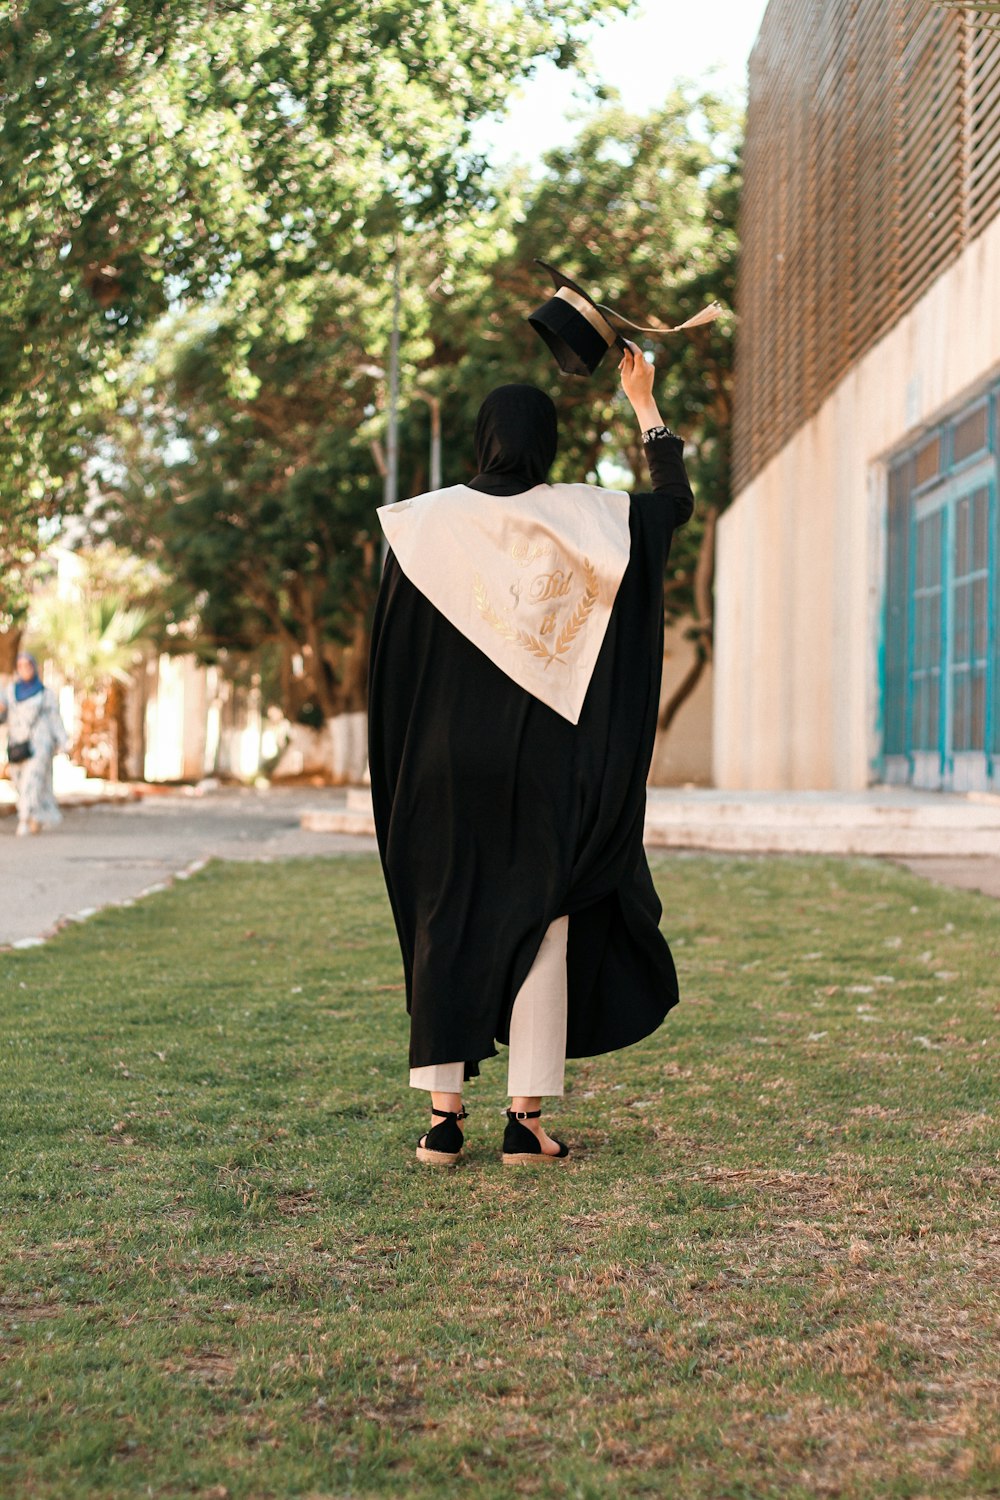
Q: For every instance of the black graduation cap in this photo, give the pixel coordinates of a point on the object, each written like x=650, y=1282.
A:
x=580, y=331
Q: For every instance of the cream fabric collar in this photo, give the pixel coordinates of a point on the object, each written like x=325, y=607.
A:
x=529, y=579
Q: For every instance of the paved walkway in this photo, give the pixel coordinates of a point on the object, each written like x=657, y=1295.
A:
x=101, y=855
x=982, y=874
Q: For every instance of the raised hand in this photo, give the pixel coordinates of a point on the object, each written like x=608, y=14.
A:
x=637, y=382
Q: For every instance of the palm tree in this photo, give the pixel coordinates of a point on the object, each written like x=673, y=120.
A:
x=95, y=637
x=93, y=641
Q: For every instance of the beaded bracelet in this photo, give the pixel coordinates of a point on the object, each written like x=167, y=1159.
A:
x=652, y=433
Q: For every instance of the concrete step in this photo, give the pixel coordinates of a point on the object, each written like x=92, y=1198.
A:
x=819, y=838
x=950, y=812
x=355, y=816
x=339, y=820
x=879, y=822
x=883, y=820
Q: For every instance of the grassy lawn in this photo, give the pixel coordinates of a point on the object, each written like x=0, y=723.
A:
x=769, y=1269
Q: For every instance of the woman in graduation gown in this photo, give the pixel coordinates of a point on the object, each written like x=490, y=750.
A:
x=517, y=649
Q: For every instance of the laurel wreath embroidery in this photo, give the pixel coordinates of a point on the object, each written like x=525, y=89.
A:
x=532, y=643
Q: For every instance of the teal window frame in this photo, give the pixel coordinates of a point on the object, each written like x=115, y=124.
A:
x=954, y=482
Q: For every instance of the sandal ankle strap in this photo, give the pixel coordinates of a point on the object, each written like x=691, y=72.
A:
x=524, y=1114
x=451, y=1114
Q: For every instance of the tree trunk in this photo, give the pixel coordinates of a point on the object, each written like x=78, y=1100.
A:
x=10, y=641
x=114, y=709
x=289, y=704
x=683, y=690
x=355, y=671
x=304, y=610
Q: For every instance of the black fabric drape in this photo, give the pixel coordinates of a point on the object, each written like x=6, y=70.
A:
x=495, y=815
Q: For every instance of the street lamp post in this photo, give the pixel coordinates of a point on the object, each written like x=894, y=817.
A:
x=435, y=409
x=391, y=488
x=390, y=482
x=434, y=403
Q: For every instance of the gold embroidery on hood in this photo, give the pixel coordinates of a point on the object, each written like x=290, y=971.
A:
x=531, y=643
x=524, y=552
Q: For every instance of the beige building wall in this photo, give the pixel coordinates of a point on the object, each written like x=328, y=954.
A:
x=683, y=754
x=801, y=551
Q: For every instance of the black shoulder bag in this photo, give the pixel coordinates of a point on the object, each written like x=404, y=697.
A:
x=21, y=750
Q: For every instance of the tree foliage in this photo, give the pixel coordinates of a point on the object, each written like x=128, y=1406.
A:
x=259, y=500
x=155, y=152
x=201, y=206
x=92, y=620
x=246, y=453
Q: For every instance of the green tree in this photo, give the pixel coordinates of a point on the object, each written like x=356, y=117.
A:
x=93, y=630
x=154, y=153
x=260, y=500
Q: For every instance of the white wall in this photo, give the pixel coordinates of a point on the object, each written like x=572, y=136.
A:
x=196, y=722
x=800, y=572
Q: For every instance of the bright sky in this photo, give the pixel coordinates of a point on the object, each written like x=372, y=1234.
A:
x=642, y=55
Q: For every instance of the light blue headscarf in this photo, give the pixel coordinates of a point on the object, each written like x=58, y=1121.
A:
x=24, y=689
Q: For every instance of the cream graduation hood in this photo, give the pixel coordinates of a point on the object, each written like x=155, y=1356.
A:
x=530, y=579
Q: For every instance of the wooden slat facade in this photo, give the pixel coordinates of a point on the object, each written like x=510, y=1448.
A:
x=872, y=159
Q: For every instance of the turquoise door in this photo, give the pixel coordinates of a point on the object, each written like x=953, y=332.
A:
x=940, y=700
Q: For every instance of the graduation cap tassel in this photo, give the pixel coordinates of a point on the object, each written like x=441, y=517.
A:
x=580, y=331
x=707, y=315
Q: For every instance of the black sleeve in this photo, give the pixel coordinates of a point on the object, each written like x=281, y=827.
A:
x=665, y=456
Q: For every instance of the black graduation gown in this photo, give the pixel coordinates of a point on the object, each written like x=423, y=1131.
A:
x=495, y=815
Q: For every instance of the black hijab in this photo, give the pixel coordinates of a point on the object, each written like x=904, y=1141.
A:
x=516, y=440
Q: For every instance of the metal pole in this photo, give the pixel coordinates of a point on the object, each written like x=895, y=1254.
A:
x=435, y=410
x=435, y=443
x=391, y=493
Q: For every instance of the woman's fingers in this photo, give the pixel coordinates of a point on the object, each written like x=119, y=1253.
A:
x=627, y=361
x=634, y=361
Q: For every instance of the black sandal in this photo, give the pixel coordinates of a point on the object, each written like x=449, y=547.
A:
x=441, y=1146
x=522, y=1145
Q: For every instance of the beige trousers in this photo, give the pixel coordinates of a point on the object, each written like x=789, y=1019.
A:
x=536, y=1063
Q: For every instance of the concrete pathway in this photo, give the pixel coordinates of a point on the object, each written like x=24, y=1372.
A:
x=105, y=854
x=982, y=874
x=101, y=855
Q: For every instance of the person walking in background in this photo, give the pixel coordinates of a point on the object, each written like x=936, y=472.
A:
x=35, y=732
x=517, y=649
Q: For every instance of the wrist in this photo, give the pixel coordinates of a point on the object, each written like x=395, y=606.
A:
x=654, y=434
x=647, y=414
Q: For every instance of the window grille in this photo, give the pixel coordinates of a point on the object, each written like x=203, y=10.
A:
x=928, y=461
x=872, y=159
x=970, y=435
